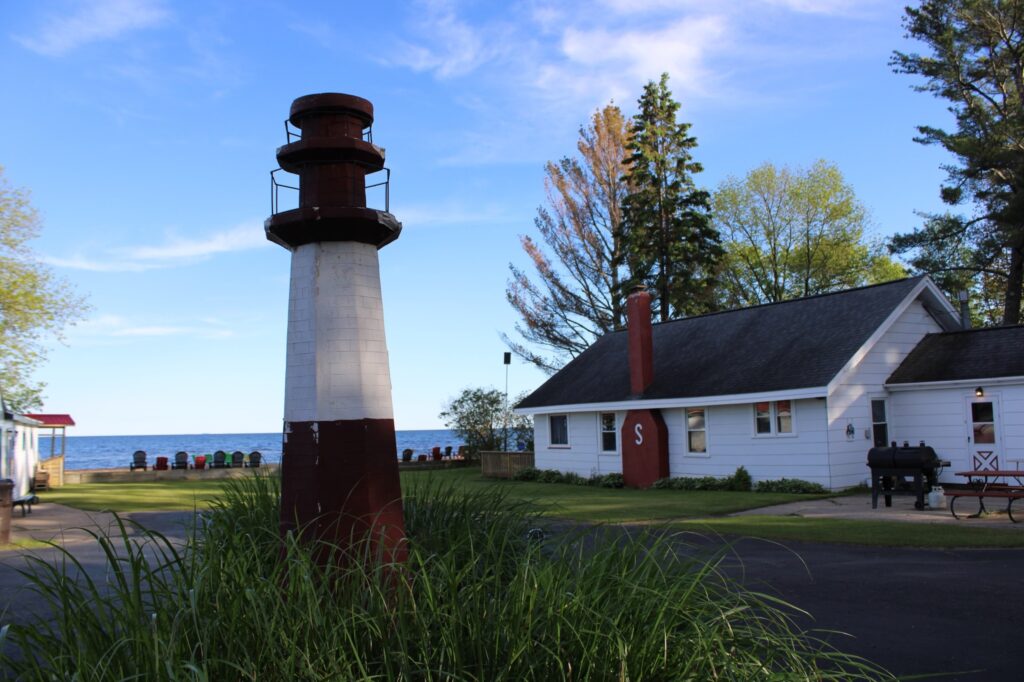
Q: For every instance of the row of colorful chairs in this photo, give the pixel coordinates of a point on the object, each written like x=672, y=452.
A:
x=221, y=460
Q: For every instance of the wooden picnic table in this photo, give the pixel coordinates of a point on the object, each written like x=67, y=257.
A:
x=989, y=483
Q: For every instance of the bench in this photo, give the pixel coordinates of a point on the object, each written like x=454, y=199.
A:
x=1006, y=492
x=24, y=501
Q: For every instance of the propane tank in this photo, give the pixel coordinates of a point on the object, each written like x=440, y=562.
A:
x=936, y=498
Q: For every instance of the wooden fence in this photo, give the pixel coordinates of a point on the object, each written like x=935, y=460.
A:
x=504, y=464
x=54, y=466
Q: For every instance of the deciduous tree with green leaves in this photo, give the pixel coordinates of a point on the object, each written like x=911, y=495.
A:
x=575, y=293
x=35, y=304
x=672, y=245
x=480, y=417
x=975, y=61
x=794, y=232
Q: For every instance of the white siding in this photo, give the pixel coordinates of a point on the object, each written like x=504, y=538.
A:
x=581, y=456
x=940, y=417
x=731, y=443
x=849, y=402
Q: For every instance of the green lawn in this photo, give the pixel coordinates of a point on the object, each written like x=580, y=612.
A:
x=608, y=505
x=695, y=510
x=124, y=497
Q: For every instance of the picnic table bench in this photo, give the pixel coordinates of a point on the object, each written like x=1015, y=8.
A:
x=987, y=484
x=24, y=501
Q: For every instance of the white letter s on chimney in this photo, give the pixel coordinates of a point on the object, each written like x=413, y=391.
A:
x=639, y=431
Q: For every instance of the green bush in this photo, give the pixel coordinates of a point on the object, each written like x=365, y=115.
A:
x=476, y=600
x=606, y=480
x=790, y=485
x=550, y=476
x=741, y=481
x=526, y=474
x=693, y=483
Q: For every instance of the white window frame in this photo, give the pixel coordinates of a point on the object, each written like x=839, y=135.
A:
x=706, y=430
x=568, y=440
x=773, y=419
x=601, y=432
x=888, y=422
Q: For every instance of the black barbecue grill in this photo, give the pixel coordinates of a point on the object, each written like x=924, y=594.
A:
x=906, y=470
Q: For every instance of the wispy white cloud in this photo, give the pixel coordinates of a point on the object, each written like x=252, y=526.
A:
x=94, y=21
x=118, y=327
x=451, y=46
x=604, y=59
x=173, y=252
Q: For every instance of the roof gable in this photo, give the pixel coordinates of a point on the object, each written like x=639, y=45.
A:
x=795, y=344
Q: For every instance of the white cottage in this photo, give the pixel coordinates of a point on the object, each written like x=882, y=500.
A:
x=19, y=449
x=798, y=389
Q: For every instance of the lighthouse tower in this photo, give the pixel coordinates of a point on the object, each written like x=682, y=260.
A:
x=339, y=465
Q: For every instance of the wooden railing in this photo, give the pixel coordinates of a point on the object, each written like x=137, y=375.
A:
x=504, y=464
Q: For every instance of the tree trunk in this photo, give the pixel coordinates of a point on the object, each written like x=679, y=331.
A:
x=1014, y=284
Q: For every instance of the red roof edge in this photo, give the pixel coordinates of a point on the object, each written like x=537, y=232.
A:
x=53, y=419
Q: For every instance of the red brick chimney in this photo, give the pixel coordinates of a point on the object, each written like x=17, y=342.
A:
x=641, y=349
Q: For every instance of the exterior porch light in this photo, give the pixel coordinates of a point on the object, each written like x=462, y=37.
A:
x=980, y=392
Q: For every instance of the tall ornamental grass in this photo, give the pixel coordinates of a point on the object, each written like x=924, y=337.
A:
x=481, y=598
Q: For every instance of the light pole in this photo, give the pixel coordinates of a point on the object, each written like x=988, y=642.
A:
x=508, y=361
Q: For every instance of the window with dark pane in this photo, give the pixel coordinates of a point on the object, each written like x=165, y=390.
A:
x=983, y=416
x=763, y=417
x=608, y=433
x=879, y=423
x=559, y=428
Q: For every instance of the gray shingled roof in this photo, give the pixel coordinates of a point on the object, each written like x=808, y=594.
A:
x=964, y=355
x=780, y=346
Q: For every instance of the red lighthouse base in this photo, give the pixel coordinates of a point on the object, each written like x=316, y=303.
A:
x=351, y=469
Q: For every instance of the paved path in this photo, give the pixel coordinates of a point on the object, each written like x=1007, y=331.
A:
x=858, y=507
x=915, y=611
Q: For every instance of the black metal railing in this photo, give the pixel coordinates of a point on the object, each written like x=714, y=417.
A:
x=275, y=189
x=387, y=189
x=290, y=133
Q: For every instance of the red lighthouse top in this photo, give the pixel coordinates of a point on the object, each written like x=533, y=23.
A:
x=332, y=158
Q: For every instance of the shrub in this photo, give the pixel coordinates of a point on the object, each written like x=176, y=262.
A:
x=740, y=481
x=606, y=480
x=790, y=485
x=693, y=483
x=550, y=476
x=526, y=474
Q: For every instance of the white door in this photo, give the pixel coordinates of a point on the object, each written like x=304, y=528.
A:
x=984, y=446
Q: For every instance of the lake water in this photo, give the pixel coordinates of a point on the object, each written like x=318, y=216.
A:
x=104, y=452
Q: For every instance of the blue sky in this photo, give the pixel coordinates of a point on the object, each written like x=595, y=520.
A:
x=145, y=130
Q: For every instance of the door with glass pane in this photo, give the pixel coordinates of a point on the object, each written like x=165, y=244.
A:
x=984, y=448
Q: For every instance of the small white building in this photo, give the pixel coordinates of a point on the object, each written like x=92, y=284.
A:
x=798, y=389
x=19, y=449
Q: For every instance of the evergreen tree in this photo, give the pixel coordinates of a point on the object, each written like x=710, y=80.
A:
x=976, y=63
x=672, y=246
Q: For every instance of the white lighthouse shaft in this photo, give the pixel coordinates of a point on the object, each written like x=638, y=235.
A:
x=337, y=365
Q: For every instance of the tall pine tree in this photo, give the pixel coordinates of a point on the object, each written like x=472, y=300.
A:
x=975, y=61
x=672, y=246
